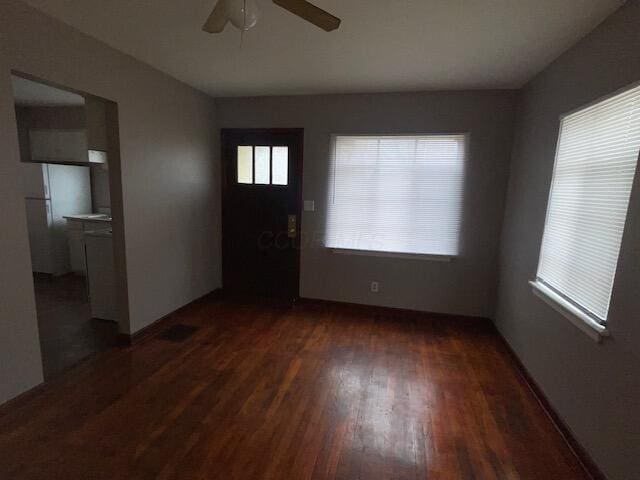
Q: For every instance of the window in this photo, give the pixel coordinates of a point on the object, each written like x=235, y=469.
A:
x=245, y=164
x=261, y=165
x=280, y=165
x=396, y=194
x=594, y=170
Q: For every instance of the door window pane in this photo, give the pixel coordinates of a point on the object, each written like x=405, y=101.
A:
x=262, y=165
x=245, y=164
x=280, y=166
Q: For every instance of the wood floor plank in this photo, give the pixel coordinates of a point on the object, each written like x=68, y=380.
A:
x=311, y=392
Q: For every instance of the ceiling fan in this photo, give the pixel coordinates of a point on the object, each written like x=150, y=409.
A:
x=243, y=14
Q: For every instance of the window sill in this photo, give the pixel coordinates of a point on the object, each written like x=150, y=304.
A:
x=413, y=256
x=577, y=317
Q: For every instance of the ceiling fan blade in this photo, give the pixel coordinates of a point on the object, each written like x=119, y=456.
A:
x=218, y=18
x=310, y=13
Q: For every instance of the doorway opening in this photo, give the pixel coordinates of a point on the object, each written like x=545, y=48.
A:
x=261, y=207
x=69, y=154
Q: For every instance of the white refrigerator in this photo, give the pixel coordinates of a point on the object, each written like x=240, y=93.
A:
x=52, y=191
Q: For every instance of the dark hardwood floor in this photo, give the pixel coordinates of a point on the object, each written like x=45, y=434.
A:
x=313, y=392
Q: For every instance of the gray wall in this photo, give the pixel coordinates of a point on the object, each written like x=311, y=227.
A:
x=464, y=286
x=20, y=365
x=169, y=173
x=594, y=387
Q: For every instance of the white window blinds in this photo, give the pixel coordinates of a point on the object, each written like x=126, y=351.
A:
x=400, y=194
x=594, y=170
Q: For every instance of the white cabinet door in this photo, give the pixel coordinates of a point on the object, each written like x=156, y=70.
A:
x=42, y=144
x=59, y=145
x=35, y=180
x=76, y=251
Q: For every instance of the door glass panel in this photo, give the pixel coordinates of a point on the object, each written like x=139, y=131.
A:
x=280, y=166
x=245, y=164
x=262, y=165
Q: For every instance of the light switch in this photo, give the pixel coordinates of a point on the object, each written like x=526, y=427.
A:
x=309, y=206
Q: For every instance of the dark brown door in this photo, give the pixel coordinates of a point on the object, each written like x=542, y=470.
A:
x=261, y=208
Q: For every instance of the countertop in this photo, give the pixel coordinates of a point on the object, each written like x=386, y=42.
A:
x=89, y=217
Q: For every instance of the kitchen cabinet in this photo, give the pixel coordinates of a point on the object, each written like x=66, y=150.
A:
x=77, y=226
x=75, y=237
x=59, y=146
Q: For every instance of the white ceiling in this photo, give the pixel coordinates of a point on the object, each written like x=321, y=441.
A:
x=382, y=45
x=35, y=94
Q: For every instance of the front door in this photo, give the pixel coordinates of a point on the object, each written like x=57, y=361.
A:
x=261, y=205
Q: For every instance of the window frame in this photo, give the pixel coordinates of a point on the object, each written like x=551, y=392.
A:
x=466, y=135
x=576, y=314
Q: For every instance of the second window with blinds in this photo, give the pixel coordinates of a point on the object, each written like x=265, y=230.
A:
x=593, y=176
x=396, y=194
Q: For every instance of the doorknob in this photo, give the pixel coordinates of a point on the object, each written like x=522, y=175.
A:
x=292, y=231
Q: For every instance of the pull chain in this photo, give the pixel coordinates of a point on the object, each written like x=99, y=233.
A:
x=244, y=23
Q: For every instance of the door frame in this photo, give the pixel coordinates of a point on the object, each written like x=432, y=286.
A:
x=298, y=133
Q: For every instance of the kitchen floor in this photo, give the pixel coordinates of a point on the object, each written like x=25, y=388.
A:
x=68, y=334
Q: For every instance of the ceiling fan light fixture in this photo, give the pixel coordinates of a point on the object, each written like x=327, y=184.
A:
x=243, y=14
